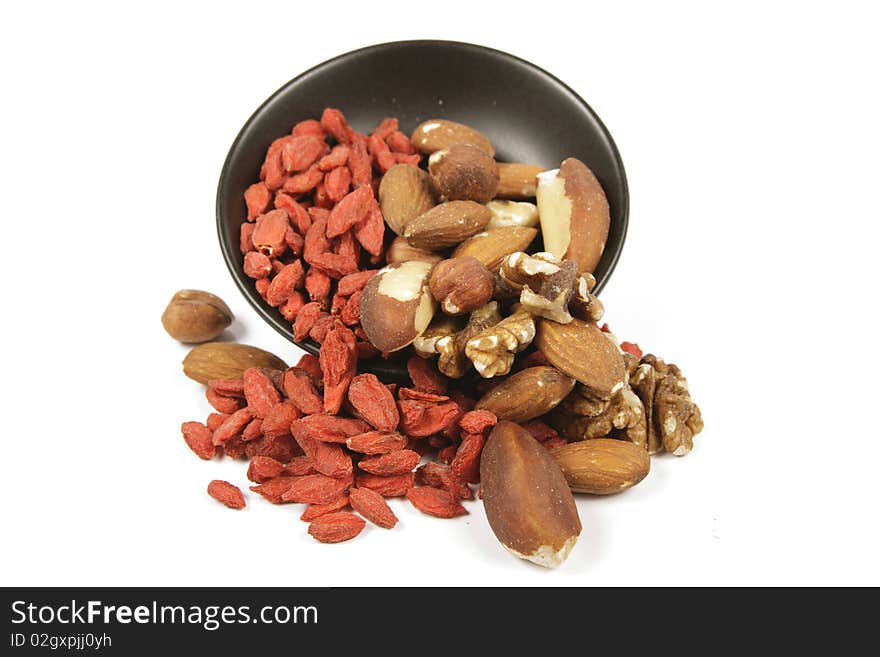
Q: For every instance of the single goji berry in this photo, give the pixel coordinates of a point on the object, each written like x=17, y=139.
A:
x=335, y=265
x=310, y=364
x=309, y=127
x=337, y=183
x=301, y=152
x=435, y=502
x=263, y=468
x=245, y=239
x=224, y=492
x=253, y=430
x=318, y=285
x=317, y=510
x=301, y=391
x=273, y=489
x=198, y=438
x=477, y=421
x=540, y=430
x=298, y=466
x=294, y=241
x=409, y=394
x=430, y=419
x=338, y=363
x=232, y=426
x=337, y=157
x=278, y=420
x=393, y=463
x=400, y=143
x=631, y=348
x=425, y=376
x=315, y=489
x=336, y=527
x=215, y=420
x=281, y=448
x=334, y=123
x=436, y=475
x=262, y=286
x=352, y=283
x=303, y=182
x=322, y=325
x=394, y=486
x=305, y=320
x=376, y=442
x=371, y=231
x=297, y=215
x=360, y=164
x=334, y=429
x=466, y=463
x=257, y=265
x=268, y=236
x=260, y=392
x=290, y=308
x=386, y=126
x=284, y=283
x=372, y=506
x=351, y=312
x=257, y=198
x=350, y=211
x=227, y=387
x=374, y=402
x=222, y=403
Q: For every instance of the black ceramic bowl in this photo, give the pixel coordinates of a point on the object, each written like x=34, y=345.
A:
x=529, y=115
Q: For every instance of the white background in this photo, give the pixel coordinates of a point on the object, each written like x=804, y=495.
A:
x=750, y=140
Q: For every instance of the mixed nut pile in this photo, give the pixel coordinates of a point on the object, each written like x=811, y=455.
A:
x=475, y=273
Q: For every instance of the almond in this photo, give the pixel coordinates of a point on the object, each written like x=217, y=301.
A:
x=437, y=134
x=602, y=466
x=580, y=350
x=226, y=360
x=527, y=394
x=517, y=181
x=447, y=224
x=396, y=305
x=463, y=172
x=574, y=212
x=400, y=251
x=404, y=193
x=492, y=246
x=528, y=503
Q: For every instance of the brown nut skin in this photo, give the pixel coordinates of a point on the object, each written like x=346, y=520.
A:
x=463, y=172
x=447, y=224
x=580, y=350
x=402, y=251
x=396, y=305
x=602, y=466
x=527, y=499
x=437, y=134
x=196, y=316
x=227, y=360
x=492, y=246
x=461, y=285
x=527, y=394
x=574, y=213
x=405, y=192
x=517, y=181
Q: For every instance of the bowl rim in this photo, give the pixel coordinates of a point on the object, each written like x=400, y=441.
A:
x=230, y=250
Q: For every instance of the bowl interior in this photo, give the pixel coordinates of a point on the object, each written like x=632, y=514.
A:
x=529, y=115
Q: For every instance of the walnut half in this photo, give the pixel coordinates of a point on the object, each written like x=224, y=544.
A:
x=492, y=350
x=546, y=283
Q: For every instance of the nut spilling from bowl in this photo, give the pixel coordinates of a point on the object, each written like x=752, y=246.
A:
x=368, y=250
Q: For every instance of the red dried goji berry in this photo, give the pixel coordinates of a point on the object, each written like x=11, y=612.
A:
x=257, y=265
x=198, y=438
x=477, y=421
x=215, y=420
x=309, y=127
x=335, y=265
x=337, y=183
x=334, y=123
x=298, y=466
x=294, y=241
x=333, y=429
x=403, y=158
x=446, y=454
x=322, y=325
x=257, y=198
x=317, y=285
x=338, y=363
x=337, y=157
x=315, y=489
x=327, y=458
x=262, y=286
x=540, y=430
x=393, y=463
x=305, y=320
x=408, y=394
x=279, y=419
x=373, y=507
x=317, y=510
x=301, y=391
x=351, y=312
x=352, y=283
x=273, y=489
x=253, y=430
x=388, y=125
x=371, y=231
x=425, y=376
x=263, y=468
x=303, y=182
x=310, y=364
x=376, y=442
x=269, y=233
x=281, y=448
x=227, y=387
x=245, y=239
x=435, y=502
x=222, y=403
x=232, y=425
x=350, y=211
x=272, y=172
x=284, y=283
x=394, y=486
x=297, y=215
x=224, y=492
x=374, y=402
x=466, y=464
x=631, y=348
x=301, y=152
x=440, y=476
x=260, y=392
x=290, y=308
x=336, y=527
x=400, y=143
x=553, y=443
x=360, y=164
x=430, y=419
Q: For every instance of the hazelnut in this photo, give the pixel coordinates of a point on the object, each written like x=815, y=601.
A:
x=464, y=172
x=461, y=285
x=196, y=316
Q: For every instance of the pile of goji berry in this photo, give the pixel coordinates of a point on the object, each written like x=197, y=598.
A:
x=323, y=435
x=314, y=233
